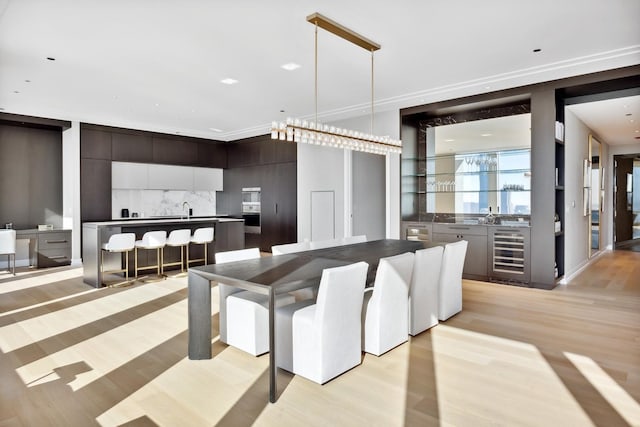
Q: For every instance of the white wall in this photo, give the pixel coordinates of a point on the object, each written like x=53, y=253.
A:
x=319, y=169
x=577, y=226
x=71, y=188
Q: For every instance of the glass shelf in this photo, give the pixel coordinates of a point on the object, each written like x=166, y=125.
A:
x=465, y=191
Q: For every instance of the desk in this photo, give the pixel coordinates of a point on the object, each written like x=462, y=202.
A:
x=275, y=275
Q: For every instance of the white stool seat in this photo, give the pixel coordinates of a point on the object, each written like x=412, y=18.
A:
x=178, y=238
x=151, y=240
x=201, y=236
x=118, y=243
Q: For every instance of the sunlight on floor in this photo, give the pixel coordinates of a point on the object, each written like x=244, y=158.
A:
x=31, y=280
x=617, y=397
x=23, y=333
x=480, y=374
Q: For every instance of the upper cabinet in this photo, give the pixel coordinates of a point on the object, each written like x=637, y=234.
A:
x=207, y=179
x=142, y=176
x=165, y=177
x=132, y=176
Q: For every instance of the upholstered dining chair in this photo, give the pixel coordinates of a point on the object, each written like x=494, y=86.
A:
x=423, y=292
x=244, y=315
x=321, y=244
x=385, y=310
x=450, y=283
x=354, y=239
x=321, y=341
x=8, y=247
x=290, y=248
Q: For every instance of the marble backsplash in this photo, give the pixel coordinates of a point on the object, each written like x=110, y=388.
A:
x=150, y=203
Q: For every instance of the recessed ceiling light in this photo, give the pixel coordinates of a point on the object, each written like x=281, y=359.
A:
x=229, y=81
x=157, y=105
x=449, y=140
x=50, y=58
x=536, y=50
x=487, y=87
x=628, y=114
x=27, y=81
x=290, y=66
x=215, y=129
x=282, y=111
x=486, y=134
x=16, y=91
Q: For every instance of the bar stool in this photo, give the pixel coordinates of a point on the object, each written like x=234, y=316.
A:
x=181, y=239
x=120, y=243
x=202, y=236
x=151, y=240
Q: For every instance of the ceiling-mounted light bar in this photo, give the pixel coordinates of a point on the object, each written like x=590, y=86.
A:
x=296, y=130
x=342, y=32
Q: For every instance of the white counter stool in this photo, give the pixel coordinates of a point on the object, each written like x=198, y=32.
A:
x=118, y=243
x=8, y=247
x=151, y=240
x=178, y=238
x=202, y=236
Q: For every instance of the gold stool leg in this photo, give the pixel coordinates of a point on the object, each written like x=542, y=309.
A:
x=205, y=253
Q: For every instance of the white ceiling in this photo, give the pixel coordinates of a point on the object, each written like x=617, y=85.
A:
x=615, y=121
x=157, y=65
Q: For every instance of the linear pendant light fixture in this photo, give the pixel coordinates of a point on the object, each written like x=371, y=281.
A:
x=313, y=132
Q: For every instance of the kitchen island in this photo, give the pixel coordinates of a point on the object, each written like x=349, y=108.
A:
x=228, y=235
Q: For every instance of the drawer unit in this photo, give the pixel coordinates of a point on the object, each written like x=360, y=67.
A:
x=509, y=258
x=475, y=262
x=54, y=248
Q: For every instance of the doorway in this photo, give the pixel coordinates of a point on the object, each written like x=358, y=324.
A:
x=627, y=202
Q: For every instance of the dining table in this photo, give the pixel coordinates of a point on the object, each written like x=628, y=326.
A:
x=273, y=275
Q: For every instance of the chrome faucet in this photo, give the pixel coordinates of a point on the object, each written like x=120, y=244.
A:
x=188, y=209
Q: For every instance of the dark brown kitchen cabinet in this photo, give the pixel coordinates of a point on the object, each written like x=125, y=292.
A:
x=278, y=215
x=95, y=144
x=131, y=147
x=95, y=189
x=212, y=155
x=174, y=151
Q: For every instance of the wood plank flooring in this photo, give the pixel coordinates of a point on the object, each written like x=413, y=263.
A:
x=71, y=355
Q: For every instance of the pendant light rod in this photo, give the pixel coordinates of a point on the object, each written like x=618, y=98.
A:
x=342, y=31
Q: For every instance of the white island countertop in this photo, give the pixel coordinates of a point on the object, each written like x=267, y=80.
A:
x=167, y=221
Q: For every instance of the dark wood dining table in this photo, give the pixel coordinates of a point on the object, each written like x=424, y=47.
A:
x=273, y=275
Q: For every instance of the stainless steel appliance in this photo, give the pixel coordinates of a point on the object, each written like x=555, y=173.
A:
x=251, y=209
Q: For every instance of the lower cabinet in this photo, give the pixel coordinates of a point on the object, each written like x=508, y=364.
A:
x=475, y=263
x=54, y=248
x=496, y=253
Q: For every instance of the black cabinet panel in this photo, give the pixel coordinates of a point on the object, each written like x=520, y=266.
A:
x=30, y=176
x=212, y=155
x=95, y=189
x=95, y=144
x=285, y=151
x=279, y=205
x=131, y=147
x=174, y=151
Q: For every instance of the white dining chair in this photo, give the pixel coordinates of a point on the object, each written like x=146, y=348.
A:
x=225, y=290
x=354, y=239
x=8, y=247
x=322, y=244
x=423, y=292
x=290, y=248
x=244, y=315
x=321, y=341
x=450, y=283
x=385, y=308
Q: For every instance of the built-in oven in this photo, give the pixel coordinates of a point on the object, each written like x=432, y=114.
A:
x=251, y=209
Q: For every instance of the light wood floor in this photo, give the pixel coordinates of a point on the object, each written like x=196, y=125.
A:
x=74, y=356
